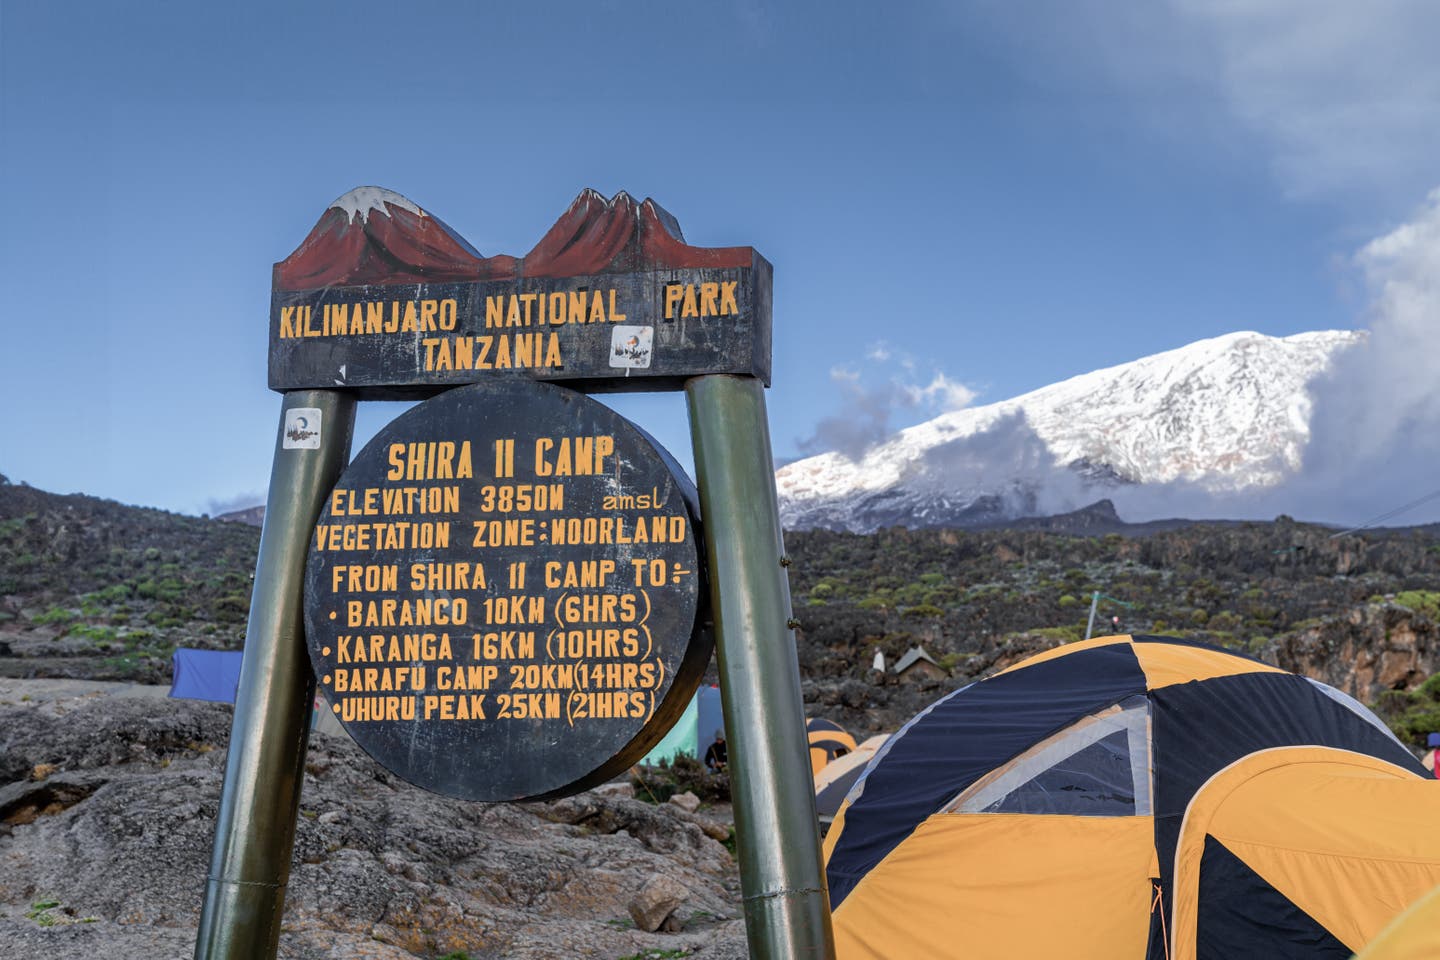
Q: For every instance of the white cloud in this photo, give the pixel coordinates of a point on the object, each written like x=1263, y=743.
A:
x=871, y=398
x=1375, y=432
x=1375, y=423
x=215, y=506
x=1340, y=95
x=940, y=393
x=1344, y=93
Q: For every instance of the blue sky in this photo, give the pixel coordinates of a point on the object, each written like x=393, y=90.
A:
x=1002, y=194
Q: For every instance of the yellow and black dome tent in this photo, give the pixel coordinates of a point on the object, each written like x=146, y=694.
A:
x=1414, y=935
x=828, y=740
x=1133, y=797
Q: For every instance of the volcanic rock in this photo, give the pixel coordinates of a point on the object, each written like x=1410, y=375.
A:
x=656, y=901
x=118, y=838
x=686, y=801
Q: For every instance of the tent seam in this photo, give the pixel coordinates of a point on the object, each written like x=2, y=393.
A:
x=1323, y=853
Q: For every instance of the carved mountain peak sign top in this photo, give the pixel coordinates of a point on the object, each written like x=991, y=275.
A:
x=404, y=243
x=383, y=297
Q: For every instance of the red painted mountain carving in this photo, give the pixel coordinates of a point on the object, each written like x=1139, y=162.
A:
x=375, y=236
x=372, y=235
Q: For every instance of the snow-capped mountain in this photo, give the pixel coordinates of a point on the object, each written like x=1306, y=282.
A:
x=1223, y=414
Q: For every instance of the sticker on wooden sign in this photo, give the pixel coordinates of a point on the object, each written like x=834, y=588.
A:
x=301, y=430
x=631, y=346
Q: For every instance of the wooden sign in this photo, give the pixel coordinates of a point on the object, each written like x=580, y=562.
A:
x=385, y=299
x=504, y=593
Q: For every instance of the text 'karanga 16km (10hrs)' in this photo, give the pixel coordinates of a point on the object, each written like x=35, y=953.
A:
x=503, y=593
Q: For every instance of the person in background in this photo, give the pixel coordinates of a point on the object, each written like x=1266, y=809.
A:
x=715, y=754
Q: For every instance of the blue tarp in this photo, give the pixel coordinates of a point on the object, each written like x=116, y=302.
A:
x=710, y=720
x=206, y=674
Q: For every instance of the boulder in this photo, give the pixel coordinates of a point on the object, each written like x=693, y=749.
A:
x=1365, y=652
x=656, y=901
x=625, y=790
x=686, y=801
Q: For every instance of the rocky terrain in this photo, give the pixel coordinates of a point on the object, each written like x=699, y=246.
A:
x=107, y=815
x=1358, y=611
x=92, y=589
x=107, y=803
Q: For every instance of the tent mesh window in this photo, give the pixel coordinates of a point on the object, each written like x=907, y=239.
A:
x=1097, y=767
x=1354, y=706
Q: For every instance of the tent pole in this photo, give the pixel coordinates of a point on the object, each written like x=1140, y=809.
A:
x=787, y=911
x=1094, y=603
x=255, y=827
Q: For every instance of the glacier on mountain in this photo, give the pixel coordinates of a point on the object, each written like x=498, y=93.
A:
x=1225, y=414
x=357, y=204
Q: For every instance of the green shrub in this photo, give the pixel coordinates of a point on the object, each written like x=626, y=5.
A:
x=99, y=634
x=945, y=596
x=57, y=615
x=1224, y=621
x=235, y=606
x=660, y=782
x=1413, y=714
x=910, y=595
x=1426, y=602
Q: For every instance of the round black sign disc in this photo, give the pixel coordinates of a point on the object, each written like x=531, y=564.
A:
x=503, y=593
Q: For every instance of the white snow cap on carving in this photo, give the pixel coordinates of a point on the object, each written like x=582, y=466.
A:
x=360, y=201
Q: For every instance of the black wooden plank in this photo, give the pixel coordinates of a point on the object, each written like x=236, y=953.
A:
x=462, y=674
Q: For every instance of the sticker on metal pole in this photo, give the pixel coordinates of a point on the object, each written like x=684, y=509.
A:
x=504, y=596
x=301, y=430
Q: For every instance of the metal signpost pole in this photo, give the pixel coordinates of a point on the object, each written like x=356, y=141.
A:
x=787, y=912
x=255, y=828
x=401, y=315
